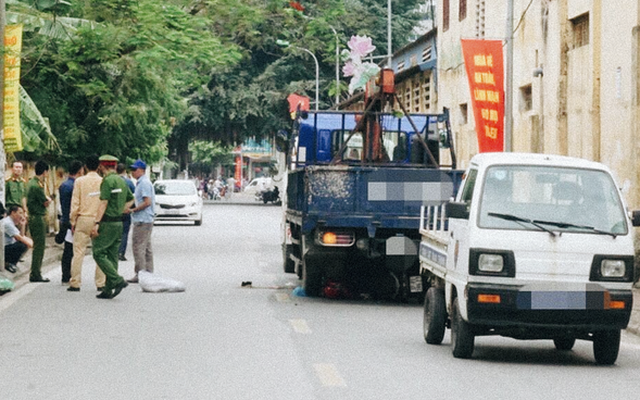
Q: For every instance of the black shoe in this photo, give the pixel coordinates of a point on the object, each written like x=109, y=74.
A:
x=10, y=267
x=73, y=289
x=121, y=257
x=39, y=280
x=101, y=288
x=105, y=295
x=119, y=287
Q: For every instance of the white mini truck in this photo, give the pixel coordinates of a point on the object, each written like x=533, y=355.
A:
x=533, y=247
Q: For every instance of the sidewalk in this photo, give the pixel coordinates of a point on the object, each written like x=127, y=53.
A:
x=52, y=257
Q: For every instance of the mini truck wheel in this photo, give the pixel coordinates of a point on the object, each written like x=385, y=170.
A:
x=606, y=345
x=435, y=316
x=462, y=336
x=311, y=270
x=288, y=264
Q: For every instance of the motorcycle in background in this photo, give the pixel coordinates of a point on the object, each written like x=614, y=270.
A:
x=272, y=195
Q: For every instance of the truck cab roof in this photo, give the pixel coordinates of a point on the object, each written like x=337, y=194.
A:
x=483, y=160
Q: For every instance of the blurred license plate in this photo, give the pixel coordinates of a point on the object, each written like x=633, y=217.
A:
x=561, y=300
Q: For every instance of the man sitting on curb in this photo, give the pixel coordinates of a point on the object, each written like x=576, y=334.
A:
x=15, y=244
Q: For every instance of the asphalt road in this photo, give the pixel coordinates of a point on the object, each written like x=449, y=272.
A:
x=219, y=340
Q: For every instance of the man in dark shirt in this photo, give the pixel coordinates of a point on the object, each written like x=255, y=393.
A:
x=126, y=218
x=37, y=203
x=66, y=192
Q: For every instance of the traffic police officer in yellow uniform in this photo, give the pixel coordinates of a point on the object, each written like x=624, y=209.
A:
x=115, y=196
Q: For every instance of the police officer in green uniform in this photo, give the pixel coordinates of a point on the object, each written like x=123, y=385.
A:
x=37, y=203
x=115, y=196
x=14, y=188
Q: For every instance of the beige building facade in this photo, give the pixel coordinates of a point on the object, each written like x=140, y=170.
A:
x=576, y=78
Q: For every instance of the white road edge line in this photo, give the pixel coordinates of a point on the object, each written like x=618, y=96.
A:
x=11, y=298
x=328, y=375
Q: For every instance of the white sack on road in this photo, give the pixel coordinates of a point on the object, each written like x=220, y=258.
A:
x=153, y=283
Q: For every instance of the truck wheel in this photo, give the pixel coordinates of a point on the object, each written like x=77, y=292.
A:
x=435, y=316
x=288, y=263
x=462, y=337
x=606, y=345
x=311, y=277
x=564, y=343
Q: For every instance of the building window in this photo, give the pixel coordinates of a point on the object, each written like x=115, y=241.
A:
x=464, y=114
x=416, y=95
x=426, y=54
x=407, y=96
x=426, y=92
x=580, y=27
x=526, y=102
x=480, y=18
x=462, y=10
x=400, y=66
x=445, y=15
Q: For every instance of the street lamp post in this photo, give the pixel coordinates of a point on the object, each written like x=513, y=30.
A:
x=317, y=73
x=337, y=65
x=285, y=43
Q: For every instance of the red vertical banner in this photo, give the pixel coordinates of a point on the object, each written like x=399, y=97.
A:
x=237, y=175
x=485, y=70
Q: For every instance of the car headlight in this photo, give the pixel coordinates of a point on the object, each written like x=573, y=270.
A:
x=490, y=263
x=612, y=268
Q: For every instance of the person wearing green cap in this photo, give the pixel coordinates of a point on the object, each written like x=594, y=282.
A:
x=37, y=203
x=115, y=197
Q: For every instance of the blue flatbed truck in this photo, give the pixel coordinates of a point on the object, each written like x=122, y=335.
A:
x=355, y=185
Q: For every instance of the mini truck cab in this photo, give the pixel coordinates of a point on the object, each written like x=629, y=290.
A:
x=534, y=247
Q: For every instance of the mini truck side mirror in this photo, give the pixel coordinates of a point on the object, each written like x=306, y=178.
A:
x=635, y=217
x=459, y=210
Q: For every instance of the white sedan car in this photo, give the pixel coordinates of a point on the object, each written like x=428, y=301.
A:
x=177, y=200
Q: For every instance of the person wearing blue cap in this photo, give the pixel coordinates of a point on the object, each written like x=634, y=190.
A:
x=142, y=219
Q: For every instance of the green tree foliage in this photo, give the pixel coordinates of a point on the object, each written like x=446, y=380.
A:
x=141, y=78
x=250, y=99
x=118, y=86
x=206, y=155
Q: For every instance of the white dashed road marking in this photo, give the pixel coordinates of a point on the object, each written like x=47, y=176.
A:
x=328, y=375
x=300, y=326
x=283, y=297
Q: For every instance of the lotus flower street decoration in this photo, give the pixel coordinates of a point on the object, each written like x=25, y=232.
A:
x=361, y=72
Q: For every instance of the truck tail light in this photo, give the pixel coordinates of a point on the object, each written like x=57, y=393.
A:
x=336, y=238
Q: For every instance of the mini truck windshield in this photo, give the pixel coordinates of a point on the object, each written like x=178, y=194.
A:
x=554, y=199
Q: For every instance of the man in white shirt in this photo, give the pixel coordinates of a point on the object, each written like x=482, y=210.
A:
x=15, y=244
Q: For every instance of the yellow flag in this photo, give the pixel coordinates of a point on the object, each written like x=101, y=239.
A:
x=13, y=47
